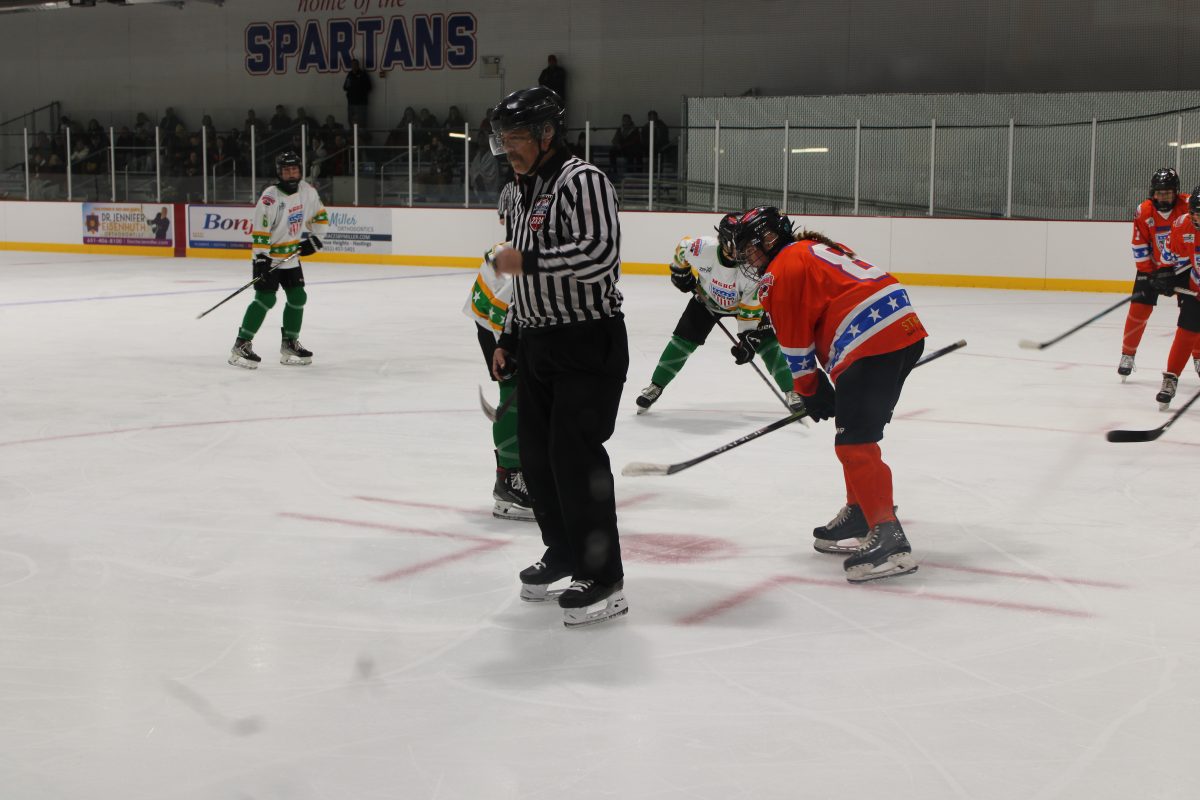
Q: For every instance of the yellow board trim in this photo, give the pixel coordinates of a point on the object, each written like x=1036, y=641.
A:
x=628, y=267
x=91, y=249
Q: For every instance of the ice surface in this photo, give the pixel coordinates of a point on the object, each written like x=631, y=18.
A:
x=217, y=583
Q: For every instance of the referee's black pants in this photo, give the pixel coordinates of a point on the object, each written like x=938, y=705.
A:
x=569, y=381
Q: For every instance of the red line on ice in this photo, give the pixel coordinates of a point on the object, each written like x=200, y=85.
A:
x=437, y=562
x=1027, y=576
x=381, y=526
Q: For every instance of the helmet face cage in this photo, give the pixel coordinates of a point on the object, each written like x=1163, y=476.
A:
x=533, y=130
x=288, y=158
x=727, y=233
x=1194, y=201
x=752, y=228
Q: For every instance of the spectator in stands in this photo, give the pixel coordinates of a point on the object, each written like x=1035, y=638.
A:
x=302, y=118
x=170, y=121
x=627, y=142
x=425, y=129
x=206, y=125
x=554, y=77
x=357, y=87
x=662, y=136
x=192, y=168
x=252, y=123
x=94, y=129
x=441, y=161
x=455, y=123
x=281, y=121
x=330, y=130
x=485, y=171
x=317, y=154
x=339, y=158
x=220, y=155
x=579, y=149
x=79, y=151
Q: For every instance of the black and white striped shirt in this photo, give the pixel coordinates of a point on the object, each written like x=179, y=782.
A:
x=564, y=222
x=505, y=205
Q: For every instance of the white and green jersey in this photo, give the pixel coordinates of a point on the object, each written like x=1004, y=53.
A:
x=490, y=298
x=724, y=290
x=280, y=218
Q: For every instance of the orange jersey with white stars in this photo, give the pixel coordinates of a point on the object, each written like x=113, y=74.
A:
x=830, y=307
x=1151, y=231
x=1182, y=245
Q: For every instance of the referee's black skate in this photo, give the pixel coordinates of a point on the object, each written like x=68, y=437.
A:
x=537, y=578
x=586, y=602
x=292, y=352
x=884, y=554
x=648, y=397
x=843, y=534
x=243, y=355
x=511, y=494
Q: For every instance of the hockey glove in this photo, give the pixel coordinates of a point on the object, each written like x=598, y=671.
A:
x=261, y=263
x=683, y=280
x=310, y=245
x=821, y=405
x=747, y=345
x=1164, y=281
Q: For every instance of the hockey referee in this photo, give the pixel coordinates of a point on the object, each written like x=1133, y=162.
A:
x=566, y=330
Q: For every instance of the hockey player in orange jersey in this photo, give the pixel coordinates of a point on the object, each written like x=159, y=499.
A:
x=1185, y=274
x=1152, y=225
x=830, y=309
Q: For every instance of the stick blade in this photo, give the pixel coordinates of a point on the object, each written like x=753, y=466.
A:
x=1029, y=344
x=488, y=411
x=636, y=469
x=1133, y=436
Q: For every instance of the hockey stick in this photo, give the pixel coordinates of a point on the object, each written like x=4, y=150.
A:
x=274, y=267
x=761, y=374
x=1029, y=344
x=950, y=348
x=491, y=412
x=1150, y=435
x=639, y=468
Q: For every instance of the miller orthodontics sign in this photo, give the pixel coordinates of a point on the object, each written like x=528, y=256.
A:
x=408, y=42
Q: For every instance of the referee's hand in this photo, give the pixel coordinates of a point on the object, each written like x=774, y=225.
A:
x=507, y=261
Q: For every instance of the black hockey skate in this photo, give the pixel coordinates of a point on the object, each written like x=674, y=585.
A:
x=843, y=534
x=292, y=352
x=511, y=494
x=537, y=578
x=243, y=355
x=884, y=554
x=1126, y=367
x=586, y=602
x=1166, y=392
x=648, y=397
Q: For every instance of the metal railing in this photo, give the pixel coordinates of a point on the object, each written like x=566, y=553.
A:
x=1094, y=168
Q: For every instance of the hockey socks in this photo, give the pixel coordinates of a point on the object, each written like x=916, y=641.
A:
x=504, y=429
x=1135, y=326
x=1181, y=349
x=293, y=311
x=869, y=479
x=772, y=356
x=672, y=360
x=255, y=314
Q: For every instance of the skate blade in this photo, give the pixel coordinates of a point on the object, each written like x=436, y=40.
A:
x=294, y=361
x=1164, y=407
x=512, y=511
x=1124, y=378
x=243, y=363
x=641, y=410
x=899, y=564
x=837, y=548
x=609, y=608
x=536, y=593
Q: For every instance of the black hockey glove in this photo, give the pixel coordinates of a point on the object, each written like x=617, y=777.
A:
x=747, y=345
x=509, y=370
x=1164, y=281
x=821, y=405
x=683, y=280
x=261, y=263
x=310, y=245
